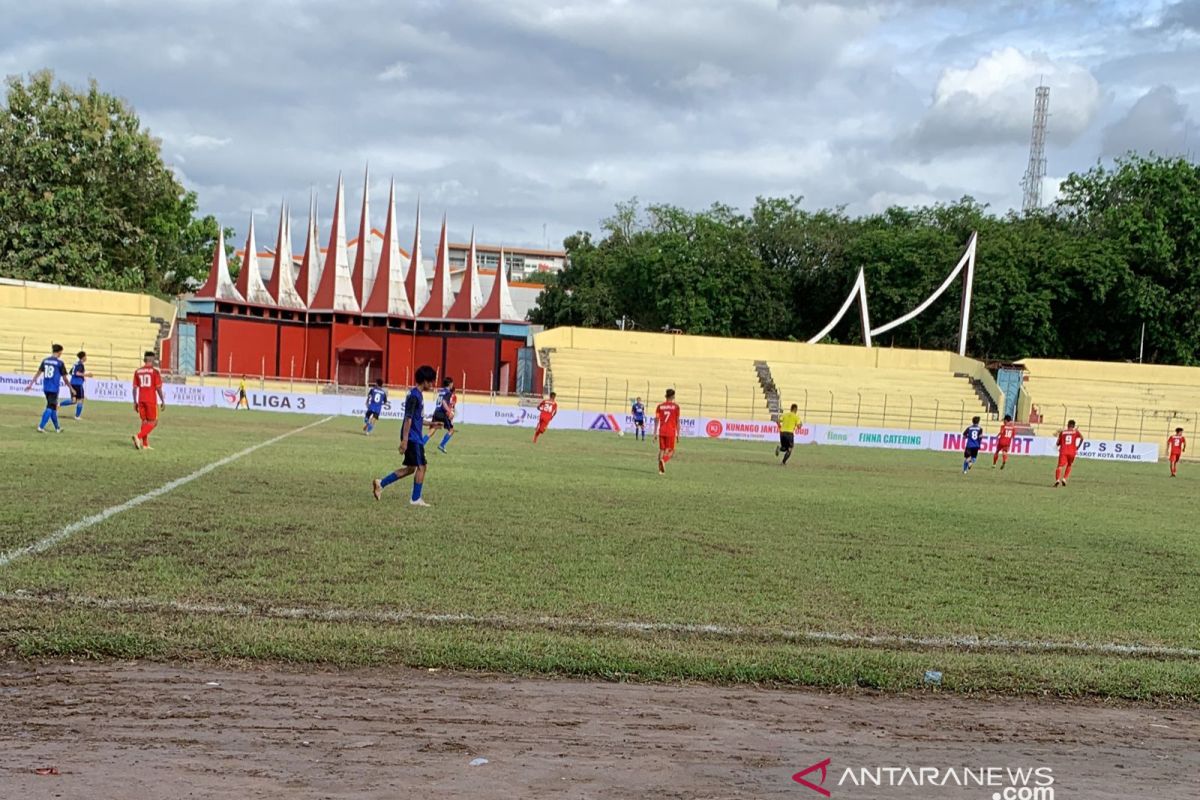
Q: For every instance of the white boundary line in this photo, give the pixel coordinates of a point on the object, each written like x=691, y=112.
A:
x=343, y=615
x=67, y=532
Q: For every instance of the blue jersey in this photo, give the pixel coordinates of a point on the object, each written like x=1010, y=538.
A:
x=973, y=437
x=53, y=374
x=639, y=412
x=444, y=402
x=375, y=399
x=77, y=373
x=414, y=409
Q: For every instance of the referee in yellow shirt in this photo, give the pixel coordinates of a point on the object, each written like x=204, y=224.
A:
x=788, y=423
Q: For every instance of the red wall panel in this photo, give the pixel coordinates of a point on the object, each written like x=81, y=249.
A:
x=293, y=340
x=246, y=346
x=429, y=351
x=475, y=357
x=399, y=359
x=317, y=362
x=508, y=355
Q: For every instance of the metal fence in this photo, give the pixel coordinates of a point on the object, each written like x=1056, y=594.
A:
x=1115, y=422
x=747, y=401
x=25, y=355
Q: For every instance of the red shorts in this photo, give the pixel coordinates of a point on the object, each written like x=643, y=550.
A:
x=1175, y=456
x=1002, y=446
x=666, y=441
x=543, y=423
x=1066, y=459
x=148, y=411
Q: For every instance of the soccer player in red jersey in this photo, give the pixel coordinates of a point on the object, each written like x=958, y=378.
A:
x=666, y=426
x=1176, y=447
x=547, y=409
x=1004, y=440
x=147, y=382
x=1069, y=442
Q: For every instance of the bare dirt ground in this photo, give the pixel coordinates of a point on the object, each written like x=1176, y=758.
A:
x=122, y=730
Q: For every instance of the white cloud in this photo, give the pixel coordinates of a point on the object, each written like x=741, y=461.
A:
x=992, y=101
x=705, y=77
x=395, y=72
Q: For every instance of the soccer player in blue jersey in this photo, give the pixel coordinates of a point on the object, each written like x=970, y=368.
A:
x=53, y=372
x=78, y=374
x=972, y=440
x=376, y=400
x=412, y=441
x=638, y=412
x=443, y=412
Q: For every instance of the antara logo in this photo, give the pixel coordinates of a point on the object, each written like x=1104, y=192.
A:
x=819, y=786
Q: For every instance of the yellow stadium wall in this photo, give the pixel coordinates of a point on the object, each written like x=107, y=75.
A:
x=48, y=297
x=1104, y=371
x=666, y=344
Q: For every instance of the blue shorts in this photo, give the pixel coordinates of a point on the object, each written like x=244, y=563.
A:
x=640, y=423
x=414, y=454
x=51, y=399
x=971, y=452
x=76, y=391
x=373, y=412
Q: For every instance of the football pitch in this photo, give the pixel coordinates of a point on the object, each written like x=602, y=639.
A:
x=850, y=567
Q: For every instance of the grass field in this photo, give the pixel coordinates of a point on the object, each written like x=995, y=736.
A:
x=536, y=558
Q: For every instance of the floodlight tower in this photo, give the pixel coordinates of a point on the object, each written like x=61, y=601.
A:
x=1036, y=171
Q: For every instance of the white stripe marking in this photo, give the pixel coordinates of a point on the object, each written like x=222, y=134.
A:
x=970, y=643
x=67, y=532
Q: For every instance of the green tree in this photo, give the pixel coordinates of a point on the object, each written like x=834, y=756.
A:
x=85, y=198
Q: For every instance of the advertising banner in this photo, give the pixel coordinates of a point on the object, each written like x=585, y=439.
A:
x=527, y=416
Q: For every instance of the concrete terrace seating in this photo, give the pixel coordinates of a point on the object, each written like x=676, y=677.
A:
x=921, y=399
x=1117, y=401
x=114, y=328
x=609, y=381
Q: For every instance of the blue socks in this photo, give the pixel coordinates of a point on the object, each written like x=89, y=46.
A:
x=54, y=417
x=416, y=495
x=79, y=409
x=45, y=418
x=445, y=440
x=388, y=479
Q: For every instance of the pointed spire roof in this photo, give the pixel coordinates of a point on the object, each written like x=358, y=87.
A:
x=249, y=279
x=335, y=291
x=282, y=285
x=416, y=285
x=440, y=294
x=363, y=274
x=470, y=293
x=388, y=295
x=499, y=306
x=310, y=265
x=219, y=285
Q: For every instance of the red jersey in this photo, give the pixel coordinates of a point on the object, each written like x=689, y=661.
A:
x=146, y=382
x=1176, y=443
x=548, y=408
x=1069, y=441
x=1007, y=432
x=667, y=415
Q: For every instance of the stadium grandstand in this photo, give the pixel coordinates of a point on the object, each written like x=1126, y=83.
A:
x=1140, y=402
x=115, y=328
x=748, y=379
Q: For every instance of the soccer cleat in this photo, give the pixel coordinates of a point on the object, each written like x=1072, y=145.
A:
x=58, y=430
x=1057, y=484
x=662, y=467
x=377, y=488
x=1002, y=466
x=137, y=443
x=442, y=450
x=41, y=430
x=147, y=447
x=419, y=502
x=777, y=452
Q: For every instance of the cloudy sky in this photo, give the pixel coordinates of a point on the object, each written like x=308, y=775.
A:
x=520, y=114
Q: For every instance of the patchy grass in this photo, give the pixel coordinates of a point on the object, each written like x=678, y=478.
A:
x=581, y=528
